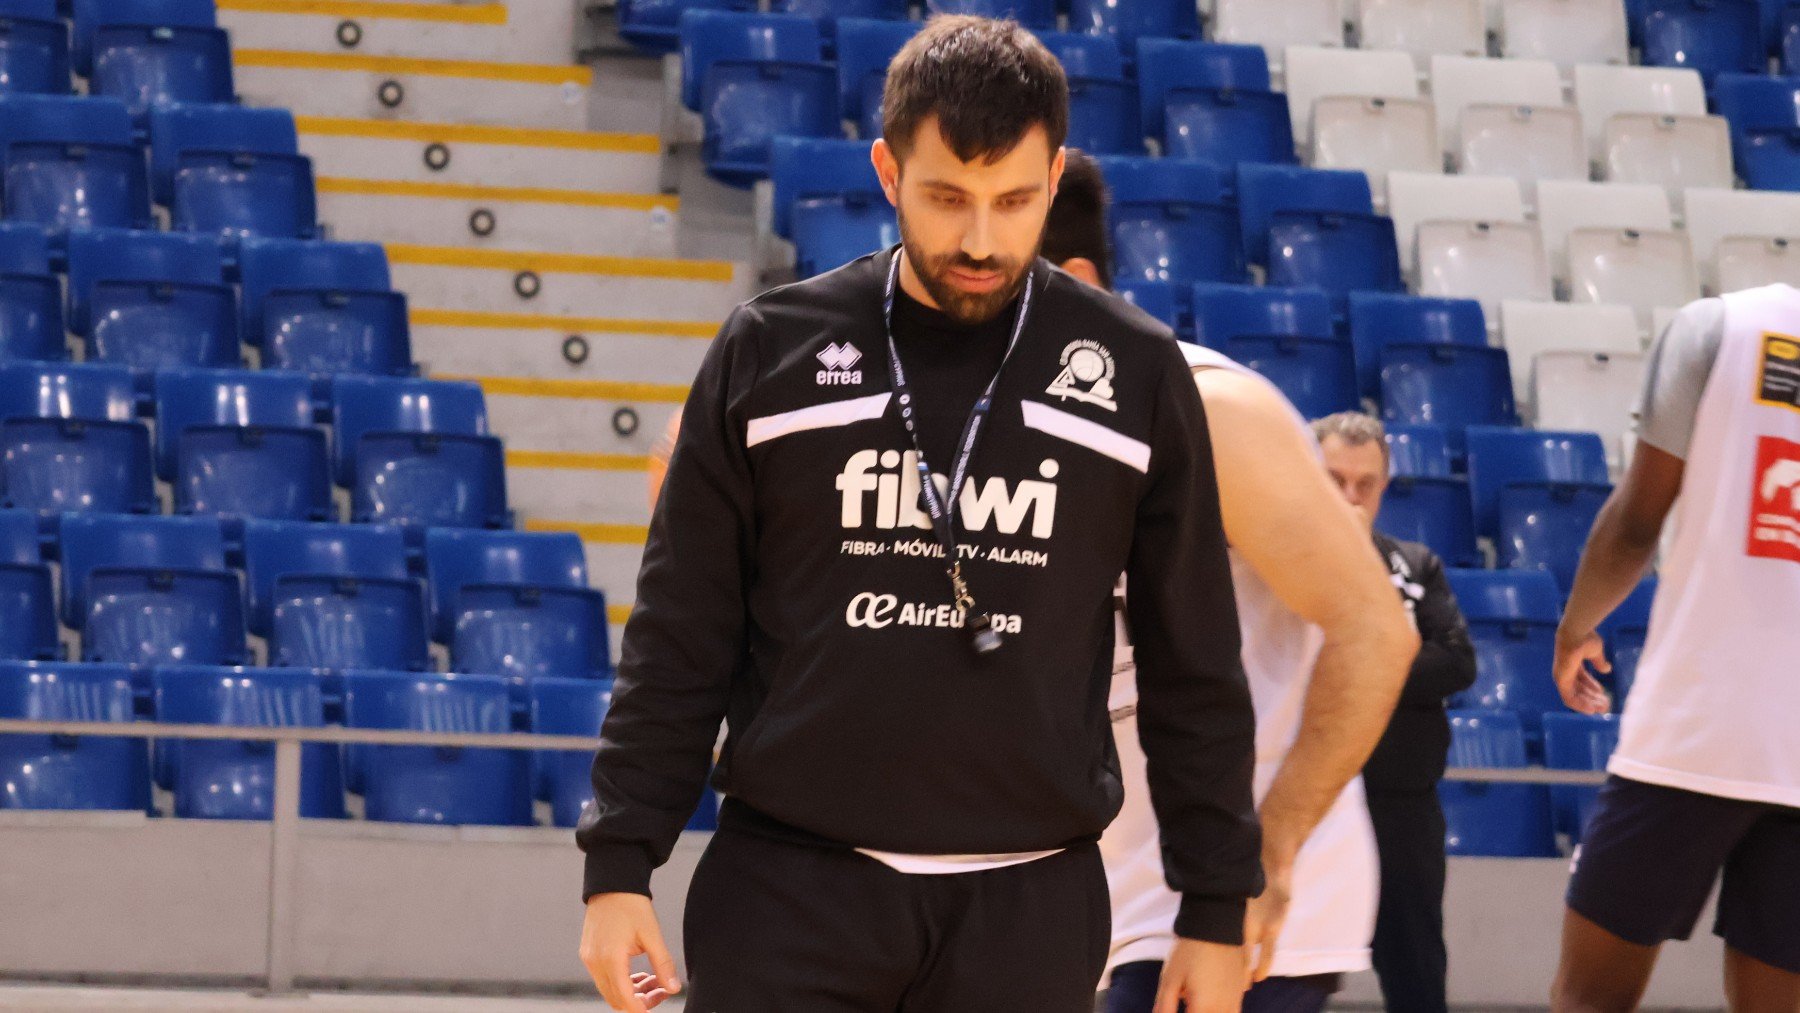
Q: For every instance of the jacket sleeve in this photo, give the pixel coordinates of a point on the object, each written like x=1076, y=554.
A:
x=1446, y=659
x=1194, y=713
x=686, y=635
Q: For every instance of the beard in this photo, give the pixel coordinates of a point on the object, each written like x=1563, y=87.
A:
x=963, y=307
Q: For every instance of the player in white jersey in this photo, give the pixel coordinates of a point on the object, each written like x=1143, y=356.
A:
x=1705, y=784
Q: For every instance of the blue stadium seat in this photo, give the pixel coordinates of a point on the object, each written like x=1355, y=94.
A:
x=26, y=598
x=34, y=49
x=652, y=24
x=1224, y=312
x=88, y=16
x=1176, y=242
x=242, y=443
x=830, y=232
x=567, y=707
x=1267, y=190
x=1498, y=820
x=864, y=48
x=71, y=441
x=531, y=632
x=1164, y=65
x=340, y=621
x=31, y=317
x=1432, y=509
x=140, y=265
x=1227, y=125
x=235, y=779
x=1787, y=44
x=1707, y=36
x=1454, y=386
x=1340, y=252
x=1378, y=318
x=831, y=13
x=1753, y=102
x=1157, y=298
x=151, y=544
x=1129, y=20
x=1318, y=375
x=364, y=405
x=1086, y=56
x=1033, y=14
x=430, y=479
x=1420, y=451
x=139, y=615
x=429, y=784
x=151, y=65
x=1546, y=527
x=274, y=550
x=70, y=771
x=1103, y=116
x=803, y=167
x=1512, y=621
x=233, y=171
x=323, y=307
x=1771, y=159
x=1632, y=617
x=753, y=77
x=1135, y=180
x=456, y=557
x=1627, y=649
x=1502, y=458
x=1577, y=742
x=72, y=163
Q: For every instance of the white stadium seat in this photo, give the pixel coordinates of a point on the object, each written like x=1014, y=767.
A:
x=1525, y=143
x=1566, y=32
x=1487, y=261
x=1276, y=25
x=1314, y=73
x=1754, y=261
x=1714, y=215
x=1423, y=27
x=1458, y=82
x=1529, y=329
x=1673, y=152
x=1604, y=92
x=1643, y=269
x=1415, y=198
x=1595, y=392
x=1564, y=206
x=1376, y=135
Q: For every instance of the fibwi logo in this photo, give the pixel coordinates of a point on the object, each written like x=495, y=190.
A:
x=894, y=479
x=1775, y=500
x=839, y=362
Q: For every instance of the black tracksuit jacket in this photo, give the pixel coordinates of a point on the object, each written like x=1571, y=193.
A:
x=792, y=588
x=1410, y=757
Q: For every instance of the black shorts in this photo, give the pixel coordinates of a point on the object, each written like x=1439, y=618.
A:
x=1649, y=860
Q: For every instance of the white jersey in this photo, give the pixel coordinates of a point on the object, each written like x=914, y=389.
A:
x=1336, y=876
x=1713, y=706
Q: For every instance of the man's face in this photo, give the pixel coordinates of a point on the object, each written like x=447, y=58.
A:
x=970, y=229
x=1361, y=474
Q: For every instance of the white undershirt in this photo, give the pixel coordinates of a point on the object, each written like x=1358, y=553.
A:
x=940, y=865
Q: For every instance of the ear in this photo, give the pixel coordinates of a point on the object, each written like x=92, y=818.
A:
x=1057, y=164
x=1084, y=269
x=887, y=169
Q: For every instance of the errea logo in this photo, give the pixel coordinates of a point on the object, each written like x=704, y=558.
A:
x=839, y=362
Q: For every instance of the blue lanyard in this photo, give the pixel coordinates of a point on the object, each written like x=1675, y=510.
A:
x=943, y=514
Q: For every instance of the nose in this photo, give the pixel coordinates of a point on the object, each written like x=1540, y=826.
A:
x=978, y=239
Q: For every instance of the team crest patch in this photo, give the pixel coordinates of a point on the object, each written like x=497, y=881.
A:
x=1087, y=372
x=1775, y=500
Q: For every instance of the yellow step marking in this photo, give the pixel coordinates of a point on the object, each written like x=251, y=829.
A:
x=600, y=534
x=565, y=460
x=470, y=133
x=465, y=14
x=564, y=324
x=524, y=73
x=467, y=191
x=574, y=263
x=617, y=614
x=585, y=390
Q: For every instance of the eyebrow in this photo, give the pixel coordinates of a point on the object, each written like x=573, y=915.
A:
x=939, y=184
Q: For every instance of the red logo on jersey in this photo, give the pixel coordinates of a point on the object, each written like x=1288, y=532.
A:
x=1775, y=500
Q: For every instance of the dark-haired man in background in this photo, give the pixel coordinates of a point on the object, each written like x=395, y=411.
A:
x=912, y=807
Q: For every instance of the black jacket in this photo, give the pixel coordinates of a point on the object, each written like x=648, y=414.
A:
x=1410, y=757
x=790, y=588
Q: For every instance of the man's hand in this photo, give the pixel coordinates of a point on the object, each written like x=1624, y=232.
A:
x=1580, y=690
x=1265, y=915
x=620, y=926
x=1209, y=977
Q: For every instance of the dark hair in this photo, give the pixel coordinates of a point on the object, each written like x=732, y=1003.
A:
x=1076, y=226
x=988, y=82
